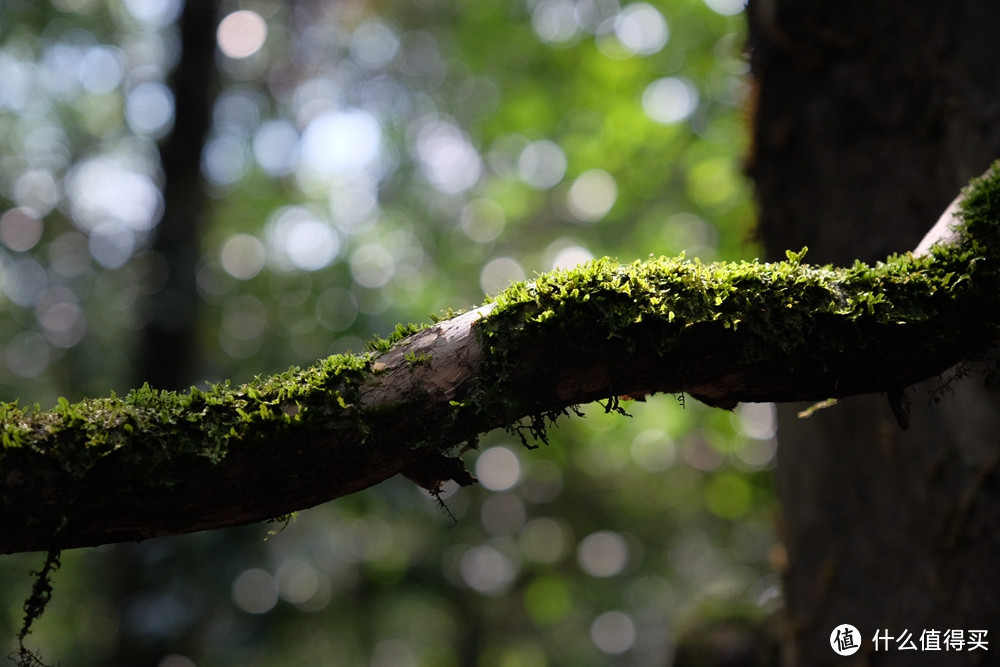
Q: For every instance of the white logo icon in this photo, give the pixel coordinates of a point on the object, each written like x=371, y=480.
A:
x=845, y=639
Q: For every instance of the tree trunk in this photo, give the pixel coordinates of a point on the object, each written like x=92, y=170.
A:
x=869, y=116
x=166, y=353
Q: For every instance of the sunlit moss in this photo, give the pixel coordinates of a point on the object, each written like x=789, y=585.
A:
x=778, y=303
x=153, y=427
x=803, y=311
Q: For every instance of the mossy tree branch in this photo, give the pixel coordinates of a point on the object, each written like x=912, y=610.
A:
x=159, y=463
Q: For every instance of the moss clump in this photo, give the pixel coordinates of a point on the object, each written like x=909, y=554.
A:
x=773, y=299
x=776, y=301
x=381, y=345
x=788, y=310
x=785, y=310
x=152, y=427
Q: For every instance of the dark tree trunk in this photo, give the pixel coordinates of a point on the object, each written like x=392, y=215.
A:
x=870, y=115
x=166, y=354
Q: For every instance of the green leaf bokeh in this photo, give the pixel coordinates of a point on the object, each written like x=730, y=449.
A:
x=376, y=163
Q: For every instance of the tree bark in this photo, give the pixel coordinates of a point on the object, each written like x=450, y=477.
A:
x=869, y=116
x=159, y=463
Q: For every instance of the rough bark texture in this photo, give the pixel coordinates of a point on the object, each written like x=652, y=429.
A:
x=870, y=114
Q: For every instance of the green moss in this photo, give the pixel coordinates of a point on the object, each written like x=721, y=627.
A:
x=380, y=345
x=152, y=427
x=414, y=359
x=788, y=309
x=788, y=306
x=767, y=298
x=774, y=300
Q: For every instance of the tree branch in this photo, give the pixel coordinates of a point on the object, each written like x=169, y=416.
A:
x=160, y=463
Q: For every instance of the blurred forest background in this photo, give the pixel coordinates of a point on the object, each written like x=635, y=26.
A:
x=306, y=173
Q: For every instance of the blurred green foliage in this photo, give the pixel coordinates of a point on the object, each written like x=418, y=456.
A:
x=374, y=163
